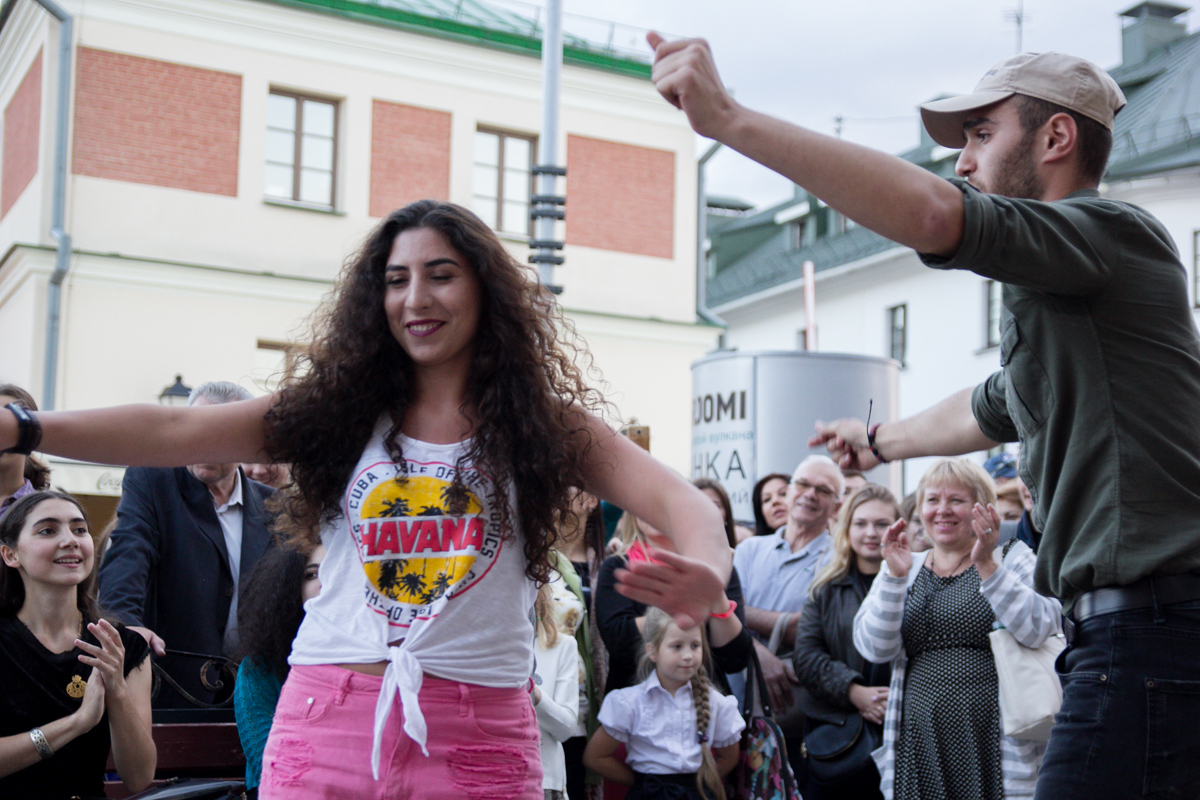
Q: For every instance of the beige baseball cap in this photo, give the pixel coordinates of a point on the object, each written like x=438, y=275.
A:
x=1069, y=81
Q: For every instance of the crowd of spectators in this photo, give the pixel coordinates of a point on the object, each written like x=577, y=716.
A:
x=190, y=565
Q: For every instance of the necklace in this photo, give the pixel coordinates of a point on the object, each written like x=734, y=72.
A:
x=952, y=572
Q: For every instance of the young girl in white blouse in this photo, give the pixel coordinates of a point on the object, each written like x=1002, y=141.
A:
x=681, y=734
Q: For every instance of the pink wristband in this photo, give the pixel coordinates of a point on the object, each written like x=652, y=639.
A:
x=727, y=613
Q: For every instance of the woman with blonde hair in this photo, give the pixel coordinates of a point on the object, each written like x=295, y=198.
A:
x=840, y=682
x=555, y=692
x=930, y=614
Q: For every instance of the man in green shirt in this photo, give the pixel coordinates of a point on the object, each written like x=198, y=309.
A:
x=1100, y=381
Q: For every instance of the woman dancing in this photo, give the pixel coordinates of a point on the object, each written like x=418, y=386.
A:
x=435, y=434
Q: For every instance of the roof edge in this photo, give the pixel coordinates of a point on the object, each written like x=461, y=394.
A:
x=467, y=33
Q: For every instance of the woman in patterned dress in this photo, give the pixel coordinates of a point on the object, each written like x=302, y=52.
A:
x=930, y=614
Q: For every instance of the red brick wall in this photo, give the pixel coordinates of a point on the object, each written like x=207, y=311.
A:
x=620, y=197
x=155, y=122
x=22, y=123
x=410, y=156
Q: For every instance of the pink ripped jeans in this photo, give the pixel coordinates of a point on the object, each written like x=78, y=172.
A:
x=483, y=743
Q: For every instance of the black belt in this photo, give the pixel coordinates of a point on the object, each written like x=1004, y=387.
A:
x=1161, y=590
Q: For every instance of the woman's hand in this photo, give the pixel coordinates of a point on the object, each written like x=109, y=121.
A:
x=987, y=534
x=896, y=551
x=871, y=701
x=108, y=658
x=685, y=588
x=92, y=709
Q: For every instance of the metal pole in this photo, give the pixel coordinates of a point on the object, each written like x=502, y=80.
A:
x=552, y=45
x=810, y=307
x=701, y=237
x=58, y=211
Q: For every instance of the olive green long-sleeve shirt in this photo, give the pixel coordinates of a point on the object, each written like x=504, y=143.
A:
x=1100, y=382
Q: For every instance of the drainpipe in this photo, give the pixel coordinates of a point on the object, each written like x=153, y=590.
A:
x=701, y=236
x=59, y=206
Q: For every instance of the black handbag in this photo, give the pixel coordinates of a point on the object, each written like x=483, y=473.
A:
x=835, y=751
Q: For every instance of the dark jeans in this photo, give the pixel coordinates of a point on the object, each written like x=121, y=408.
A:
x=1130, y=720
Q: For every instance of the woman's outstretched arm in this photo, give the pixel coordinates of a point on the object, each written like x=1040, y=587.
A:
x=623, y=473
x=152, y=436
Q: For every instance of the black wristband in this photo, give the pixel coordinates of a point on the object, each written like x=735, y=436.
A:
x=871, y=442
x=29, y=430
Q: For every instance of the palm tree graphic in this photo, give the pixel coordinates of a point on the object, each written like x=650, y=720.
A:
x=455, y=498
x=388, y=577
x=438, y=588
x=413, y=583
x=395, y=507
x=431, y=511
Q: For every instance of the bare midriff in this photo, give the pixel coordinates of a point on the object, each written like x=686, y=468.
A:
x=367, y=669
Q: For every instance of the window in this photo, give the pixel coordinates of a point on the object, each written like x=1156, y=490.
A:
x=802, y=232
x=991, y=308
x=503, y=180
x=898, y=336
x=301, y=148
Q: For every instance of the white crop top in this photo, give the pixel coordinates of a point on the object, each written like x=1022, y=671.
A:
x=405, y=582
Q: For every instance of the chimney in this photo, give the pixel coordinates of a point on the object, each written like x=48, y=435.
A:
x=1152, y=28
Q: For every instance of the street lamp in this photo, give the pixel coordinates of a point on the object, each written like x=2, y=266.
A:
x=176, y=394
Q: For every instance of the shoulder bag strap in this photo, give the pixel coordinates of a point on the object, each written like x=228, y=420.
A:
x=755, y=682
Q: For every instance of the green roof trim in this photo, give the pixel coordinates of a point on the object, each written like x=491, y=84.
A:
x=575, y=51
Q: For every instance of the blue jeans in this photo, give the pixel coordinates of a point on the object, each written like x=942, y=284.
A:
x=1130, y=720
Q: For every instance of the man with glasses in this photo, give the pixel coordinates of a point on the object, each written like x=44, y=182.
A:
x=776, y=571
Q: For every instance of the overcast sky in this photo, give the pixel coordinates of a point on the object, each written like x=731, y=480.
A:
x=870, y=61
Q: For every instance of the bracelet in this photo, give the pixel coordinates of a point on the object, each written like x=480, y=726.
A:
x=871, y=442
x=29, y=430
x=40, y=744
x=727, y=613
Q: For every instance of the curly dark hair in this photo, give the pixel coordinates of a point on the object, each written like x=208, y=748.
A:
x=270, y=608
x=525, y=392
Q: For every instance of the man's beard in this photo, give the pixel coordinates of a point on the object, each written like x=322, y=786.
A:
x=1017, y=175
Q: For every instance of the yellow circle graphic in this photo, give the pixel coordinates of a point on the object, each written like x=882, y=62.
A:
x=409, y=577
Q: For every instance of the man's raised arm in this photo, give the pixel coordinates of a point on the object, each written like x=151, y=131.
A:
x=892, y=197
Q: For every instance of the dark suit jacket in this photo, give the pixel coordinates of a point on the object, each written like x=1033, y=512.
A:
x=167, y=567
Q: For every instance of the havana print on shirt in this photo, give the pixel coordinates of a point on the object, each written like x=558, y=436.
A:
x=416, y=554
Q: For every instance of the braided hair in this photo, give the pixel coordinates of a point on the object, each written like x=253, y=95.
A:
x=654, y=630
